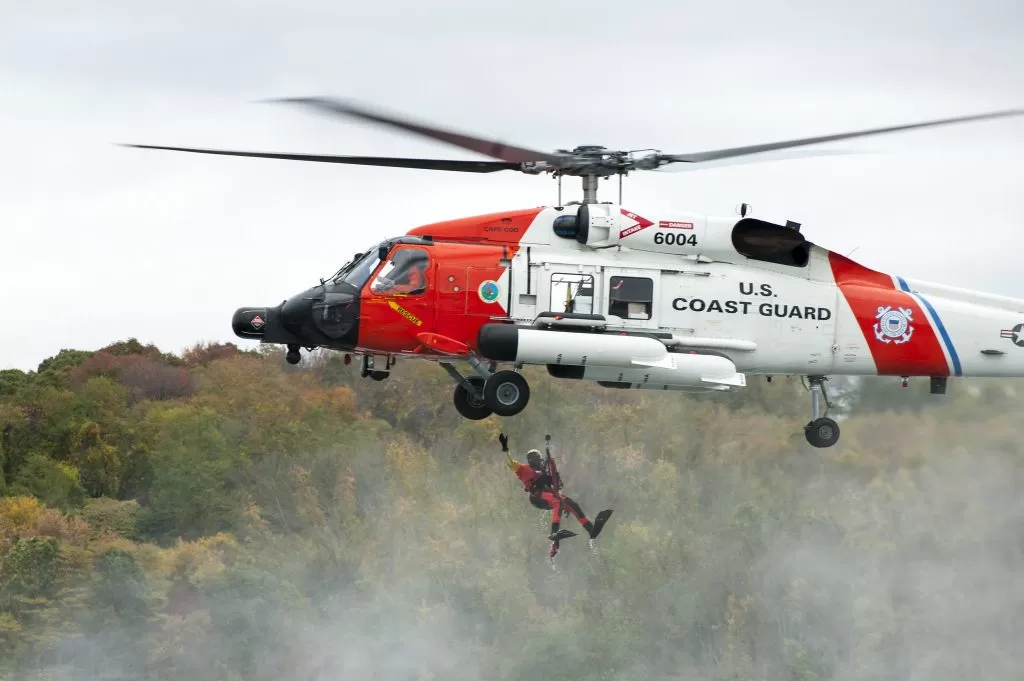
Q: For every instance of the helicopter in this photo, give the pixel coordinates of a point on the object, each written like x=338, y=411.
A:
x=613, y=294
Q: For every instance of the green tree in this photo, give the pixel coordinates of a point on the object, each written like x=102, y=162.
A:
x=12, y=381
x=193, y=472
x=121, y=585
x=54, y=483
x=54, y=370
x=30, y=568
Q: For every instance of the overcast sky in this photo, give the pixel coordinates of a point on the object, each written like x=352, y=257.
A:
x=100, y=243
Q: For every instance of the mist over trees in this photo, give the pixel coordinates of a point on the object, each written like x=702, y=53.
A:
x=222, y=515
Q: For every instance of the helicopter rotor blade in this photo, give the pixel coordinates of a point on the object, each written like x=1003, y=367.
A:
x=491, y=148
x=582, y=161
x=764, y=157
x=718, y=154
x=419, y=163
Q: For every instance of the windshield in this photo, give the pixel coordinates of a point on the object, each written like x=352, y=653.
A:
x=356, y=273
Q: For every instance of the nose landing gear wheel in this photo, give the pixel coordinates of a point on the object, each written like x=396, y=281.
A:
x=469, y=405
x=506, y=393
x=823, y=432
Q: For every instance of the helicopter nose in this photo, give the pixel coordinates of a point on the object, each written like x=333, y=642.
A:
x=297, y=311
x=249, y=322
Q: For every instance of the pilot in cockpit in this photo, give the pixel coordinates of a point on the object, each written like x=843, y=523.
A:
x=406, y=274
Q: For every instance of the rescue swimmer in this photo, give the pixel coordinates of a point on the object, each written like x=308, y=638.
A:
x=543, y=483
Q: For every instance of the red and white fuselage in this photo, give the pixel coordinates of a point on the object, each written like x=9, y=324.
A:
x=753, y=294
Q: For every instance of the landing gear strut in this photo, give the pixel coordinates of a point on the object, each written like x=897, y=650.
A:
x=821, y=431
x=505, y=393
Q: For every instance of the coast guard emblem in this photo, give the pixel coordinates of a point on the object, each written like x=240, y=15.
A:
x=488, y=291
x=893, y=326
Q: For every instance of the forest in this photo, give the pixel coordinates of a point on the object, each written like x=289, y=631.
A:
x=220, y=515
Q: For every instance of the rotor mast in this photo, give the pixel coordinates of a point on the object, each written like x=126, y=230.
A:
x=591, y=163
x=595, y=154
x=590, y=188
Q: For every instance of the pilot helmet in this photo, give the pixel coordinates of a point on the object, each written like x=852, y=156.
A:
x=406, y=259
x=533, y=458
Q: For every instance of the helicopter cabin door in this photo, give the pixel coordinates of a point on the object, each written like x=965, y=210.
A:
x=399, y=302
x=570, y=289
x=630, y=294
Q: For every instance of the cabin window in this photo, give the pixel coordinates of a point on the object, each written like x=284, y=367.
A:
x=357, y=272
x=631, y=297
x=405, y=273
x=760, y=240
x=572, y=293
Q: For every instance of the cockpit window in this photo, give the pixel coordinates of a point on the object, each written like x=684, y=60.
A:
x=356, y=273
x=405, y=273
x=760, y=240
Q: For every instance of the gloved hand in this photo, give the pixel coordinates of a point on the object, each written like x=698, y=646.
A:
x=503, y=439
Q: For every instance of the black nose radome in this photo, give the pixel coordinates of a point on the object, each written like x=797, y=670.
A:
x=249, y=322
x=296, y=312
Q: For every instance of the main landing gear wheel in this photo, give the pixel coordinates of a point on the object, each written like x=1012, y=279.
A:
x=821, y=431
x=503, y=393
x=470, y=405
x=506, y=393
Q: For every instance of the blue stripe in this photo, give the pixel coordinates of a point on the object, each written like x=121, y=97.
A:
x=938, y=322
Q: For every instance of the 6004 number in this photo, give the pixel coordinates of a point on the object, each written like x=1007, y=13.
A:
x=674, y=239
